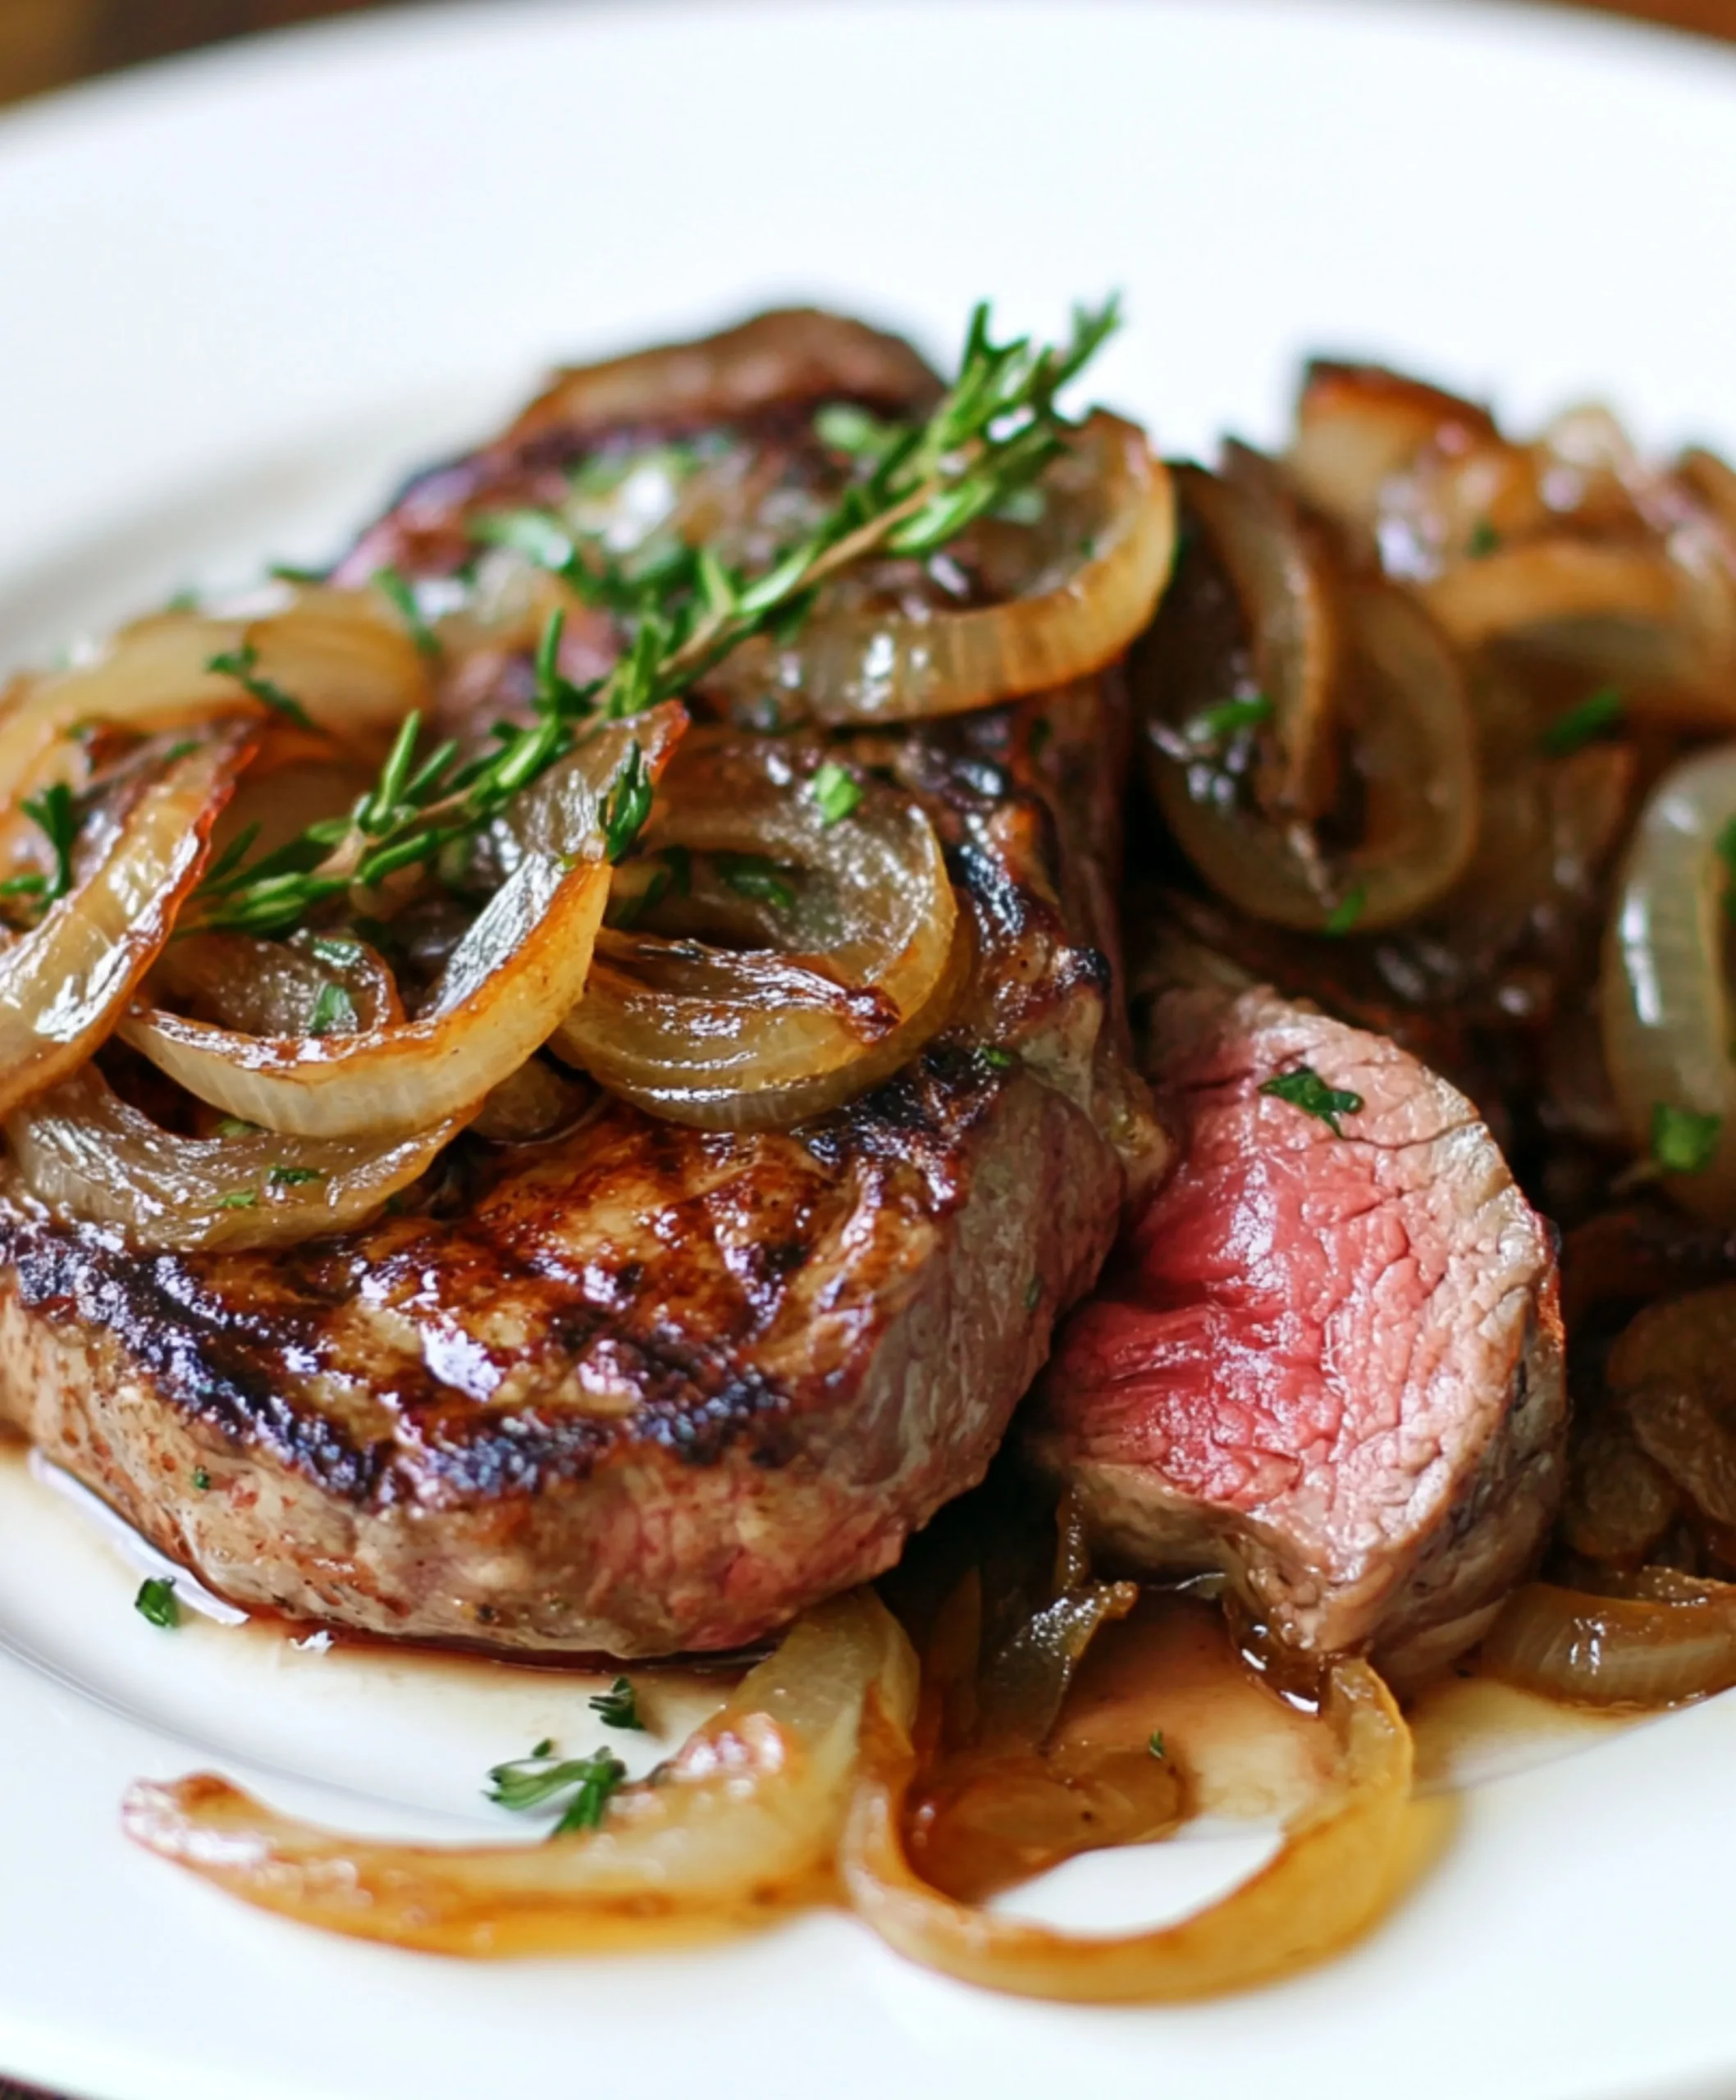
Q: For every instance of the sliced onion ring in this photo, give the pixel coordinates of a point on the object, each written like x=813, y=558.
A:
x=64, y=985
x=1107, y=494
x=1664, y=1005
x=753, y=1039
x=739, y=1826
x=517, y=971
x=1404, y=710
x=1677, y=1642
x=1335, y=1873
x=87, y=1155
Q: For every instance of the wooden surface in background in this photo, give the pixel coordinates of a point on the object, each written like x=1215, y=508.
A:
x=44, y=43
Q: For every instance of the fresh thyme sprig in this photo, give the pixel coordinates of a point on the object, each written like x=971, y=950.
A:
x=530, y=1781
x=918, y=486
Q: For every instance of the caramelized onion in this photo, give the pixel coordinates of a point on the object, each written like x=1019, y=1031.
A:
x=1334, y=1875
x=1078, y=611
x=1665, y=1007
x=86, y=1154
x=738, y=1826
x=1678, y=1643
x=517, y=970
x=1402, y=711
x=65, y=983
x=736, y=1039
x=339, y=655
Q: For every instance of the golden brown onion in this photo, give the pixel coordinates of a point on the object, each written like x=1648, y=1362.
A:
x=64, y=983
x=740, y=1825
x=85, y=1154
x=1402, y=712
x=735, y=1039
x=1099, y=560
x=516, y=972
x=1665, y=1007
x=1334, y=1875
x=1679, y=1643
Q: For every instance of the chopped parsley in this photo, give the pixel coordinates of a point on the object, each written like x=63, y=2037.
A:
x=1305, y=1088
x=335, y=949
x=1215, y=726
x=242, y=665
x=619, y=1706
x=239, y=1199
x=334, y=1012
x=201, y=1479
x=293, y=1177
x=1344, y=915
x=749, y=875
x=156, y=1601
x=997, y=1059
x=592, y=1780
x=1484, y=539
x=1683, y=1140
x=1156, y=1744
x=837, y=790
x=55, y=815
x=392, y=585
x=1599, y=712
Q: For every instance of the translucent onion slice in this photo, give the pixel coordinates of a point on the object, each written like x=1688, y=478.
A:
x=64, y=985
x=1664, y=1002
x=740, y=1825
x=1404, y=717
x=274, y=988
x=1106, y=496
x=342, y=656
x=735, y=1039
x=1335, y=1873
x=1359, y=428
x=518, y=970
x=87, y=1155
x=1679, y=1642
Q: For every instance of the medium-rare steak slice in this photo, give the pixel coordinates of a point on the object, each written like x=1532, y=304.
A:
x=1329, y=1365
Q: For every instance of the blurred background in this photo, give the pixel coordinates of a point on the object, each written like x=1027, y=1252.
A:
x=45, y=44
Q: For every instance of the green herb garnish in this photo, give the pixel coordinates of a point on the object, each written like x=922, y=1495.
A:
x=403, y=597
x=997, y=1059
x=1484, y=539
x=627, y=806
x=1344, y=915
x=837, y=790
x=235, y=1126
x=1597, y=712
x=518, y=1788
x=55, y=815
x=334, y=1012
x=749, y=875
x=156, y=1601
x=1215, y=726
x=1683, y=1140
x=293, y=1177
x=201, y=1479
x=242, y=665
x=619, y=1706
x=1156, y=1744
x=1305, y=1088
x=239, y=1199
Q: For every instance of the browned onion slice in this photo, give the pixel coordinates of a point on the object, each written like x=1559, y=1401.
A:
x=1334, y=1876
x=793, y=356
x=274, y=988
x=753, y=1039
x=1100, y=558
x=64, y=985
x=1359, y=428
x=517, y=970
x=86, y=1154
x=342, y=657
x=738, y=1827
x=1677, y=1642
x=1404, y=717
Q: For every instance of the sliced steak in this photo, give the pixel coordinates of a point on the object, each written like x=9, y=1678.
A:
x=1331, y=1365
x=647, y=1388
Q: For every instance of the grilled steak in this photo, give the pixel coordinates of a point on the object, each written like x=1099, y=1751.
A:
x=645, y=1388
x=1329, y=1365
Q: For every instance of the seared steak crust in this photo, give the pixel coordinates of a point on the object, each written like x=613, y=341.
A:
x=644, y=1388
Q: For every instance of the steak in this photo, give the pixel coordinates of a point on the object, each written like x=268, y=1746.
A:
x=645, y=1388
x=1329, y=1365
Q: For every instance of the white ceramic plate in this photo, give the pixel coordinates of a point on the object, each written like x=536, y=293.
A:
x=237, y=296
